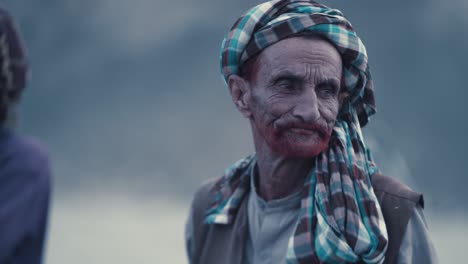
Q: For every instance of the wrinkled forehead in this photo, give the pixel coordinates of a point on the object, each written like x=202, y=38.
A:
x=298, y=56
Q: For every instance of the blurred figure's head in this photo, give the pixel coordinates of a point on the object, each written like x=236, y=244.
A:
x=13, y=65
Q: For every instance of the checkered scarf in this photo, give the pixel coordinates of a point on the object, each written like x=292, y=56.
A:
x=340, y=219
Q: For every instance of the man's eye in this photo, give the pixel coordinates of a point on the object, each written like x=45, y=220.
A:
x=285, y=84
x=327, y=89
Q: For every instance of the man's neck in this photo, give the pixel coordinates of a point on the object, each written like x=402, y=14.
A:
x=279, y=176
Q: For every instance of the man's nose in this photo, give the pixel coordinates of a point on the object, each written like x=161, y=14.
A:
x=307, y=108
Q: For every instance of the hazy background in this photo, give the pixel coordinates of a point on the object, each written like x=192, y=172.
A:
x=127, y=96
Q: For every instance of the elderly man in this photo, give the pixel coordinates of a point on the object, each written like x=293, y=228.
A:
x=311, y=193
x=24, y=163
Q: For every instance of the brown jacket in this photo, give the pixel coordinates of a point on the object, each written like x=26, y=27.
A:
x=214, y=244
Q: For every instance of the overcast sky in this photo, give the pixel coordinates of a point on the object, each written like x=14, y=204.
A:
x=127, y=93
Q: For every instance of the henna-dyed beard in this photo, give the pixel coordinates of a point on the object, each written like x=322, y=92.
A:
x=290, y=137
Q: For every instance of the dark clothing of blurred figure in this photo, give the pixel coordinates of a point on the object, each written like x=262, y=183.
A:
x=24, y=198
x=24, y=165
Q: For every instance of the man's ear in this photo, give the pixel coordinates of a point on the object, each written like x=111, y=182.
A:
x=239, y=89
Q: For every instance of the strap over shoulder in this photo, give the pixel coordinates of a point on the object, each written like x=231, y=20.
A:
x=391, y=186
x=397, y=202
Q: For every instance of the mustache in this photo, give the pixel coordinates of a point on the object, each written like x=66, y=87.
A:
x=319, y=126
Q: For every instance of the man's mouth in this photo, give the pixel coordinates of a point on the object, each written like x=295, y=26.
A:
x=301, y=128
x=306, y=131
x=303, y=131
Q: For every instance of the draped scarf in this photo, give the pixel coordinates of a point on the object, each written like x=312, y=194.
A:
x=340, y=220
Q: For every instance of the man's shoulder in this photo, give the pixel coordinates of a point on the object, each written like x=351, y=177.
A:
x=23, y=159
x=386, y=186
x=398, y=203
x=19, y=146
x=383, y=186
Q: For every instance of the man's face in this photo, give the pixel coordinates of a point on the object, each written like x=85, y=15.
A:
x=294, y=95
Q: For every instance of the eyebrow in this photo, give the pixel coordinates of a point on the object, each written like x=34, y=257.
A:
x=332, y=81
x=298, y=76
x=286, y=74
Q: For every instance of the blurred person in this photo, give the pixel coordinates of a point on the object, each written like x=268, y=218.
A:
x=311, y=192
x=24, y=164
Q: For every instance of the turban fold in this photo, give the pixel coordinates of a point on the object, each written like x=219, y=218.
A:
x=340, y=220
x=13, y=62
